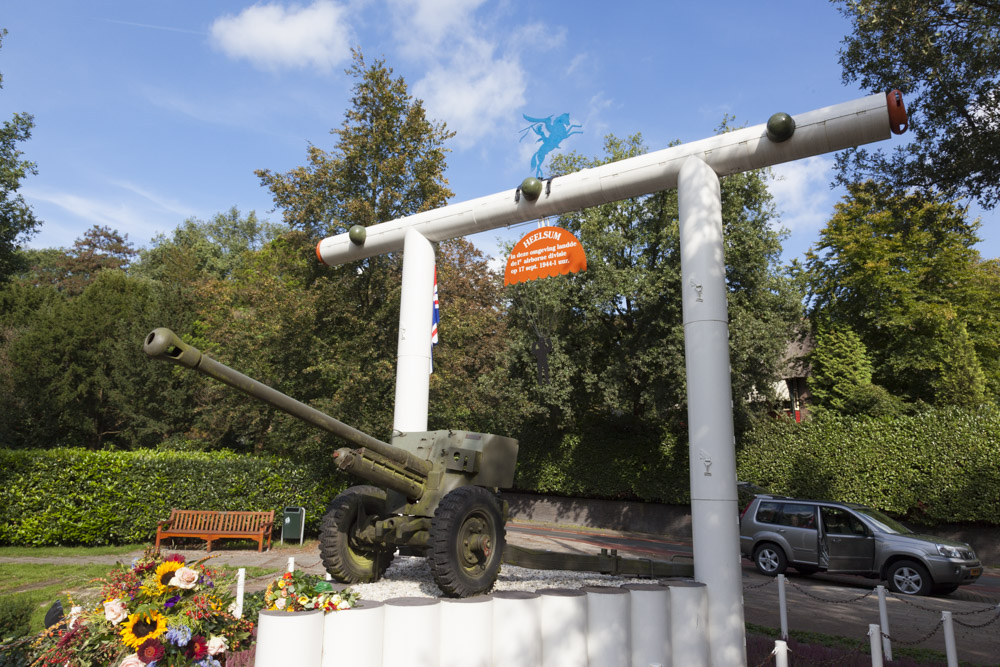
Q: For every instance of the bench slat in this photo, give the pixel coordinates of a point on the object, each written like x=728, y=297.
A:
x=211, y=525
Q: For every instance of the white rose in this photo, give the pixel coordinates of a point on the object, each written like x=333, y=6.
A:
x=185, y=578
x=217, y=645
x=280, y=603
x=132, y=661
x=115, y=611
x=74, y=616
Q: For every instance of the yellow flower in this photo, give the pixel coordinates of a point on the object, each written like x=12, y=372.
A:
x=140, y=627
x=164, y=573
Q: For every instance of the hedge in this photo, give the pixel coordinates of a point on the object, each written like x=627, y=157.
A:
x=940, y=466
x=75, y=496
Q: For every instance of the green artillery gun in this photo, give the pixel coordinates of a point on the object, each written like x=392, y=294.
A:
x=437, y=493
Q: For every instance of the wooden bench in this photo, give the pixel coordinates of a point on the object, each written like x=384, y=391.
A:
x=210, y=525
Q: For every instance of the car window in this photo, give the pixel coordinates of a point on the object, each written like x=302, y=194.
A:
x=837, y=521
x=797, y=515
x=767, y=512
x=882, y=522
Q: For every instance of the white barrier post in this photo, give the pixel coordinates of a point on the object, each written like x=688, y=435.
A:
x=289, y=639
x=354, y=636
x=649, y=611
x=951, y=653
x=517, y=629
x=564, y=627
x=689, y=624
x=473, y=645
x=874, y=638
x=883, y=617
x=291, y=564
x=607, y=626
x=418, y=620
x=780, y=653
x=241, y=581
x=782, y=607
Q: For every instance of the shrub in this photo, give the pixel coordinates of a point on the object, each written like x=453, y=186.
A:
x=74, y=496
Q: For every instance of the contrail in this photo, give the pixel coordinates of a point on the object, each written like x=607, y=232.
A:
x=156, y=27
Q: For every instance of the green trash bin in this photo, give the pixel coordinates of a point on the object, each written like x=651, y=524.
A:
x=294, y=526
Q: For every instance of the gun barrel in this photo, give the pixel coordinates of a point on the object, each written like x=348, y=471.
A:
x=165, y=345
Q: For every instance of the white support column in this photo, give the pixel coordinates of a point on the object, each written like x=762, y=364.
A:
x=413, y=363
x=714, y=511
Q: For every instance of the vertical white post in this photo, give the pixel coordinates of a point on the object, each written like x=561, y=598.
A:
x=291, y=564
x=883, y=614
x=782, y=607
x=714, y=511
x=413, y=363
x=780, y=653
x=241, y=582
x=950, y=652
x=874, y=637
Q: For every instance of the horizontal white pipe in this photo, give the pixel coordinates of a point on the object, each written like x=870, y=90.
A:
x=833, y=128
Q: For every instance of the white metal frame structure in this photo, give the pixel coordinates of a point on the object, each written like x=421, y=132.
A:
x=694, y=169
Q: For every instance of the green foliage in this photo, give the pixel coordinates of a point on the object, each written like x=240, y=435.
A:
x=73, y=496
x=944, y=57
x=839, y=367
x=902, y=272
x=937, y=466
x=17, y=221
x=14, y=617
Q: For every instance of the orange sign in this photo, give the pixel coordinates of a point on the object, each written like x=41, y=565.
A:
x=543, y=253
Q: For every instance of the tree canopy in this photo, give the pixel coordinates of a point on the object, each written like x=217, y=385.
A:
x=944, y=56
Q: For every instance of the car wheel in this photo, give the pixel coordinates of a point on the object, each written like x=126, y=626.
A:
x=945, y=589
x=770, y=559
x=909, y=578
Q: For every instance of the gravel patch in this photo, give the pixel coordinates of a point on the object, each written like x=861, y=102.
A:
x=410, y=576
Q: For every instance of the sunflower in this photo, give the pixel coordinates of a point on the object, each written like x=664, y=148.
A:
x=164, y=573
x=140, y=627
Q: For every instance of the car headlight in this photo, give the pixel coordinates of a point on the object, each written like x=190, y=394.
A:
x=949, y=552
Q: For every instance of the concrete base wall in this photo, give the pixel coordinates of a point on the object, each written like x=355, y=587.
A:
x=675, y=520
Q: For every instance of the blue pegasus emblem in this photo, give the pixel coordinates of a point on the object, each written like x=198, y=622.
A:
x=551, y=132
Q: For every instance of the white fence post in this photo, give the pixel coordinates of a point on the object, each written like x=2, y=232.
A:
x=291, y=564
x=780, y=653
x=241, y=582
x=875, y=636
x=949, y=639
x=883, y=617
x=783, y=607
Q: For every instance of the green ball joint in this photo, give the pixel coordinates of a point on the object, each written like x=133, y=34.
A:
x=531, y=188
x=780, y=127
x=357, y=234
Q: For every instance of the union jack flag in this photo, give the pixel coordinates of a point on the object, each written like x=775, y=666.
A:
x=435, y=319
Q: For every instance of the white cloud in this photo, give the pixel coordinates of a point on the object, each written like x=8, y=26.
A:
x=422, y=26
x=473, y=93
x=274, y=37
x=802, y=194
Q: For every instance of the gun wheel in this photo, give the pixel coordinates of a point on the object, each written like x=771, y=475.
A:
x=466, y=542
x=343, y=557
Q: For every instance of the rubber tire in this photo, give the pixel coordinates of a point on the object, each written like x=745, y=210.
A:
x=347, y=562
x=775, y=561
x=464, y=512
x=944, y=589
x=910, y=569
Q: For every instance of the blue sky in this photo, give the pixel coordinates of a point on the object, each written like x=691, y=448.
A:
x=151, y=113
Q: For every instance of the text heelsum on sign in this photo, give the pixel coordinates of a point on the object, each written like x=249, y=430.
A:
x=543, y=253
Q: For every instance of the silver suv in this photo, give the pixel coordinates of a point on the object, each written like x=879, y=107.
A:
x=815, y=535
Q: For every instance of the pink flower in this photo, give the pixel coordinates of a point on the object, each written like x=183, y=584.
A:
x=131, y=661
x=217, y=645
x=185, y=578
x=115, y=611
x=74, y=616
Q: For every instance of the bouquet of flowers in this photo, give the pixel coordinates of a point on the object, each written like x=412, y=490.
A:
x=298, y=591
x=158, y=612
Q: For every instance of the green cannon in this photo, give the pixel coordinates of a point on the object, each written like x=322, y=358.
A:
x=437, y=492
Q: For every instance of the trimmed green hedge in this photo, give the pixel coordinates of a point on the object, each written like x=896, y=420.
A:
x=75, y=496
x=939, y=466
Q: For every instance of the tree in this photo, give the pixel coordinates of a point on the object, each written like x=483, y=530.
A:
x=99, y=249
x=17, y=221
x=944, y=57
x=839, y=367
x=902, y=272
